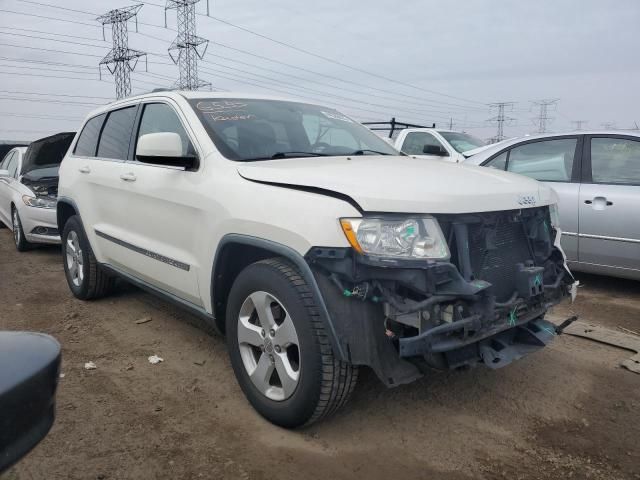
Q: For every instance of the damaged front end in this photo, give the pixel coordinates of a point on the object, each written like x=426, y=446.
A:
x=485, y=304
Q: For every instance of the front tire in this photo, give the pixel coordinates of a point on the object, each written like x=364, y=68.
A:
x=86, y=279
x=279, y=349
x=21, y=243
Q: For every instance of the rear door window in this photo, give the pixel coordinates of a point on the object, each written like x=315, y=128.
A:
x=87, y=143
x=615, y=161
x=12, y=166
x=116, y=134
x=5, y=162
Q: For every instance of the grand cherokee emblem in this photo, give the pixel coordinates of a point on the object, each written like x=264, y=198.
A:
x=527, y=200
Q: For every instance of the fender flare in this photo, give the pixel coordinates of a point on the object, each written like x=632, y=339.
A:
x=302, y=266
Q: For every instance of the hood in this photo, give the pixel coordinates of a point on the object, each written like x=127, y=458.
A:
x=405, y=184
x=473, y=151
x=47, y=151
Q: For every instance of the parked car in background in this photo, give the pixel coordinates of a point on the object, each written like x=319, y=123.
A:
x=438, y=144
x=310, y=241
x=29, y=189
x=597, y=178
x=6, y=145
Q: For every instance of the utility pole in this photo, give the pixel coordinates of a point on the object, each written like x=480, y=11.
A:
x=579, y=124
x=543, y=118
x=608, y=125
x=121, y=60
x=187, y=48
x=500, y=119
x=451, y=123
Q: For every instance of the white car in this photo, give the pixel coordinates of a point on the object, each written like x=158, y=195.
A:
x=438, y=144
x=28, y=199
x=310, y=242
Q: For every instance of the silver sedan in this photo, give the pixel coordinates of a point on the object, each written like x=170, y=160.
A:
x=597, y=178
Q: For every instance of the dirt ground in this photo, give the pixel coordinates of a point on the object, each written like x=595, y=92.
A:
x=568, y=411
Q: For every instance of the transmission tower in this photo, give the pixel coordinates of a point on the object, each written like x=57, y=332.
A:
x=608, y=125
x=121, y=60
x=500, y=119
x=543, y=117
x=187, y=48
x=579, y=124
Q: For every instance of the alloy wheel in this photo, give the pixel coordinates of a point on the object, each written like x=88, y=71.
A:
x=269, y=346
x=16, y=227
x=74, y=258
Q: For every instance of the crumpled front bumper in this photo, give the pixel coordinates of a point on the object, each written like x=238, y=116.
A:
x=496, y=346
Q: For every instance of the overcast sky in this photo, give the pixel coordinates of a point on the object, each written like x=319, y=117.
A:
x=439, y=59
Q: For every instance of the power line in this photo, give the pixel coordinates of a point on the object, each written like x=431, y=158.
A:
x=46, y=100
x=336, y=62
x=54, y=94
x=608, y=125
x=48, y=18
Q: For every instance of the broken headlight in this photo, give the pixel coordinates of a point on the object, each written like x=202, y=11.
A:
x=418, y=237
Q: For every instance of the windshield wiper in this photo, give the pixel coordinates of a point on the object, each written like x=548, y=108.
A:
x=365, y=150
x=278, y=155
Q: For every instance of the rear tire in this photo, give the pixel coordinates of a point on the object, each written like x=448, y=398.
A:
x=296, y=379
x=21, y=243
x=85, y=277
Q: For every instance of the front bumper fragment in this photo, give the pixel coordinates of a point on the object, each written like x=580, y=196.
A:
x=495, y=347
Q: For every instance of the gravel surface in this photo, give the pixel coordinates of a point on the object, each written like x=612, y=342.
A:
x=568, y=411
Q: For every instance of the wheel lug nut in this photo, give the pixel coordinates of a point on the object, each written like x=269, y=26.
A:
x=277, y=349
x=272, y=332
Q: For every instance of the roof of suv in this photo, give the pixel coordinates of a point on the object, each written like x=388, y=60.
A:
x=193, y=95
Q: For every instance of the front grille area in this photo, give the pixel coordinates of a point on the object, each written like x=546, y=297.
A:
x=495, y=251
x=497, y=242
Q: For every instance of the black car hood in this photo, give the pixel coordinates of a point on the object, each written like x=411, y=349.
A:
x=48, y=151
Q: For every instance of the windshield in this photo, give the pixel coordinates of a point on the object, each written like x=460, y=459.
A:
x=462, y=142
x=251, y=130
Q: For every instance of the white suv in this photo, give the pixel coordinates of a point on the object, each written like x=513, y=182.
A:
x=312, y=243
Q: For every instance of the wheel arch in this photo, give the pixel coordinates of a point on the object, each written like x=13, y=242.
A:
x=65, y=209
x=235, y=252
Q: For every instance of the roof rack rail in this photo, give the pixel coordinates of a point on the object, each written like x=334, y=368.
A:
x=393, y=125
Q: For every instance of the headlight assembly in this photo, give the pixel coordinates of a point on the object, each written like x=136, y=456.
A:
x=38, y=202
x=411, y=238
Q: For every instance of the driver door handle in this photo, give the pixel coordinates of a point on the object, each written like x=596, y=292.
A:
x=128, y=177
x=84, y=169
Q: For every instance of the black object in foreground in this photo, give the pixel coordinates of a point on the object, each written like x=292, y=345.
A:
x=29, y=370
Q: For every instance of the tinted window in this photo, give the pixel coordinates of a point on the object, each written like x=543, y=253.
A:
x=615, y=160
x=88, y=139
x=115, y=136
x=499, y=162
x=415, y=142
x=250, y=129
x=160, y=117
x=551, y=160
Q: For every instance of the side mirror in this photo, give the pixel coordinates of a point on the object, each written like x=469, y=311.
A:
x=164, y=148
x=29, y=370
x=4, y=173
x=435, y=150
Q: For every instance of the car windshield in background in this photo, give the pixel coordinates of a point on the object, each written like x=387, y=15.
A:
x=252, y=130
x=462, y=142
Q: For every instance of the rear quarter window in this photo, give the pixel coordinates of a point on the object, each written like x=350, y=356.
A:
x=87, y=143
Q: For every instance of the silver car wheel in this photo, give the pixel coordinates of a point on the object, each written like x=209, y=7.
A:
x=74, y=259
x=269, y=346
x=16, y=227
